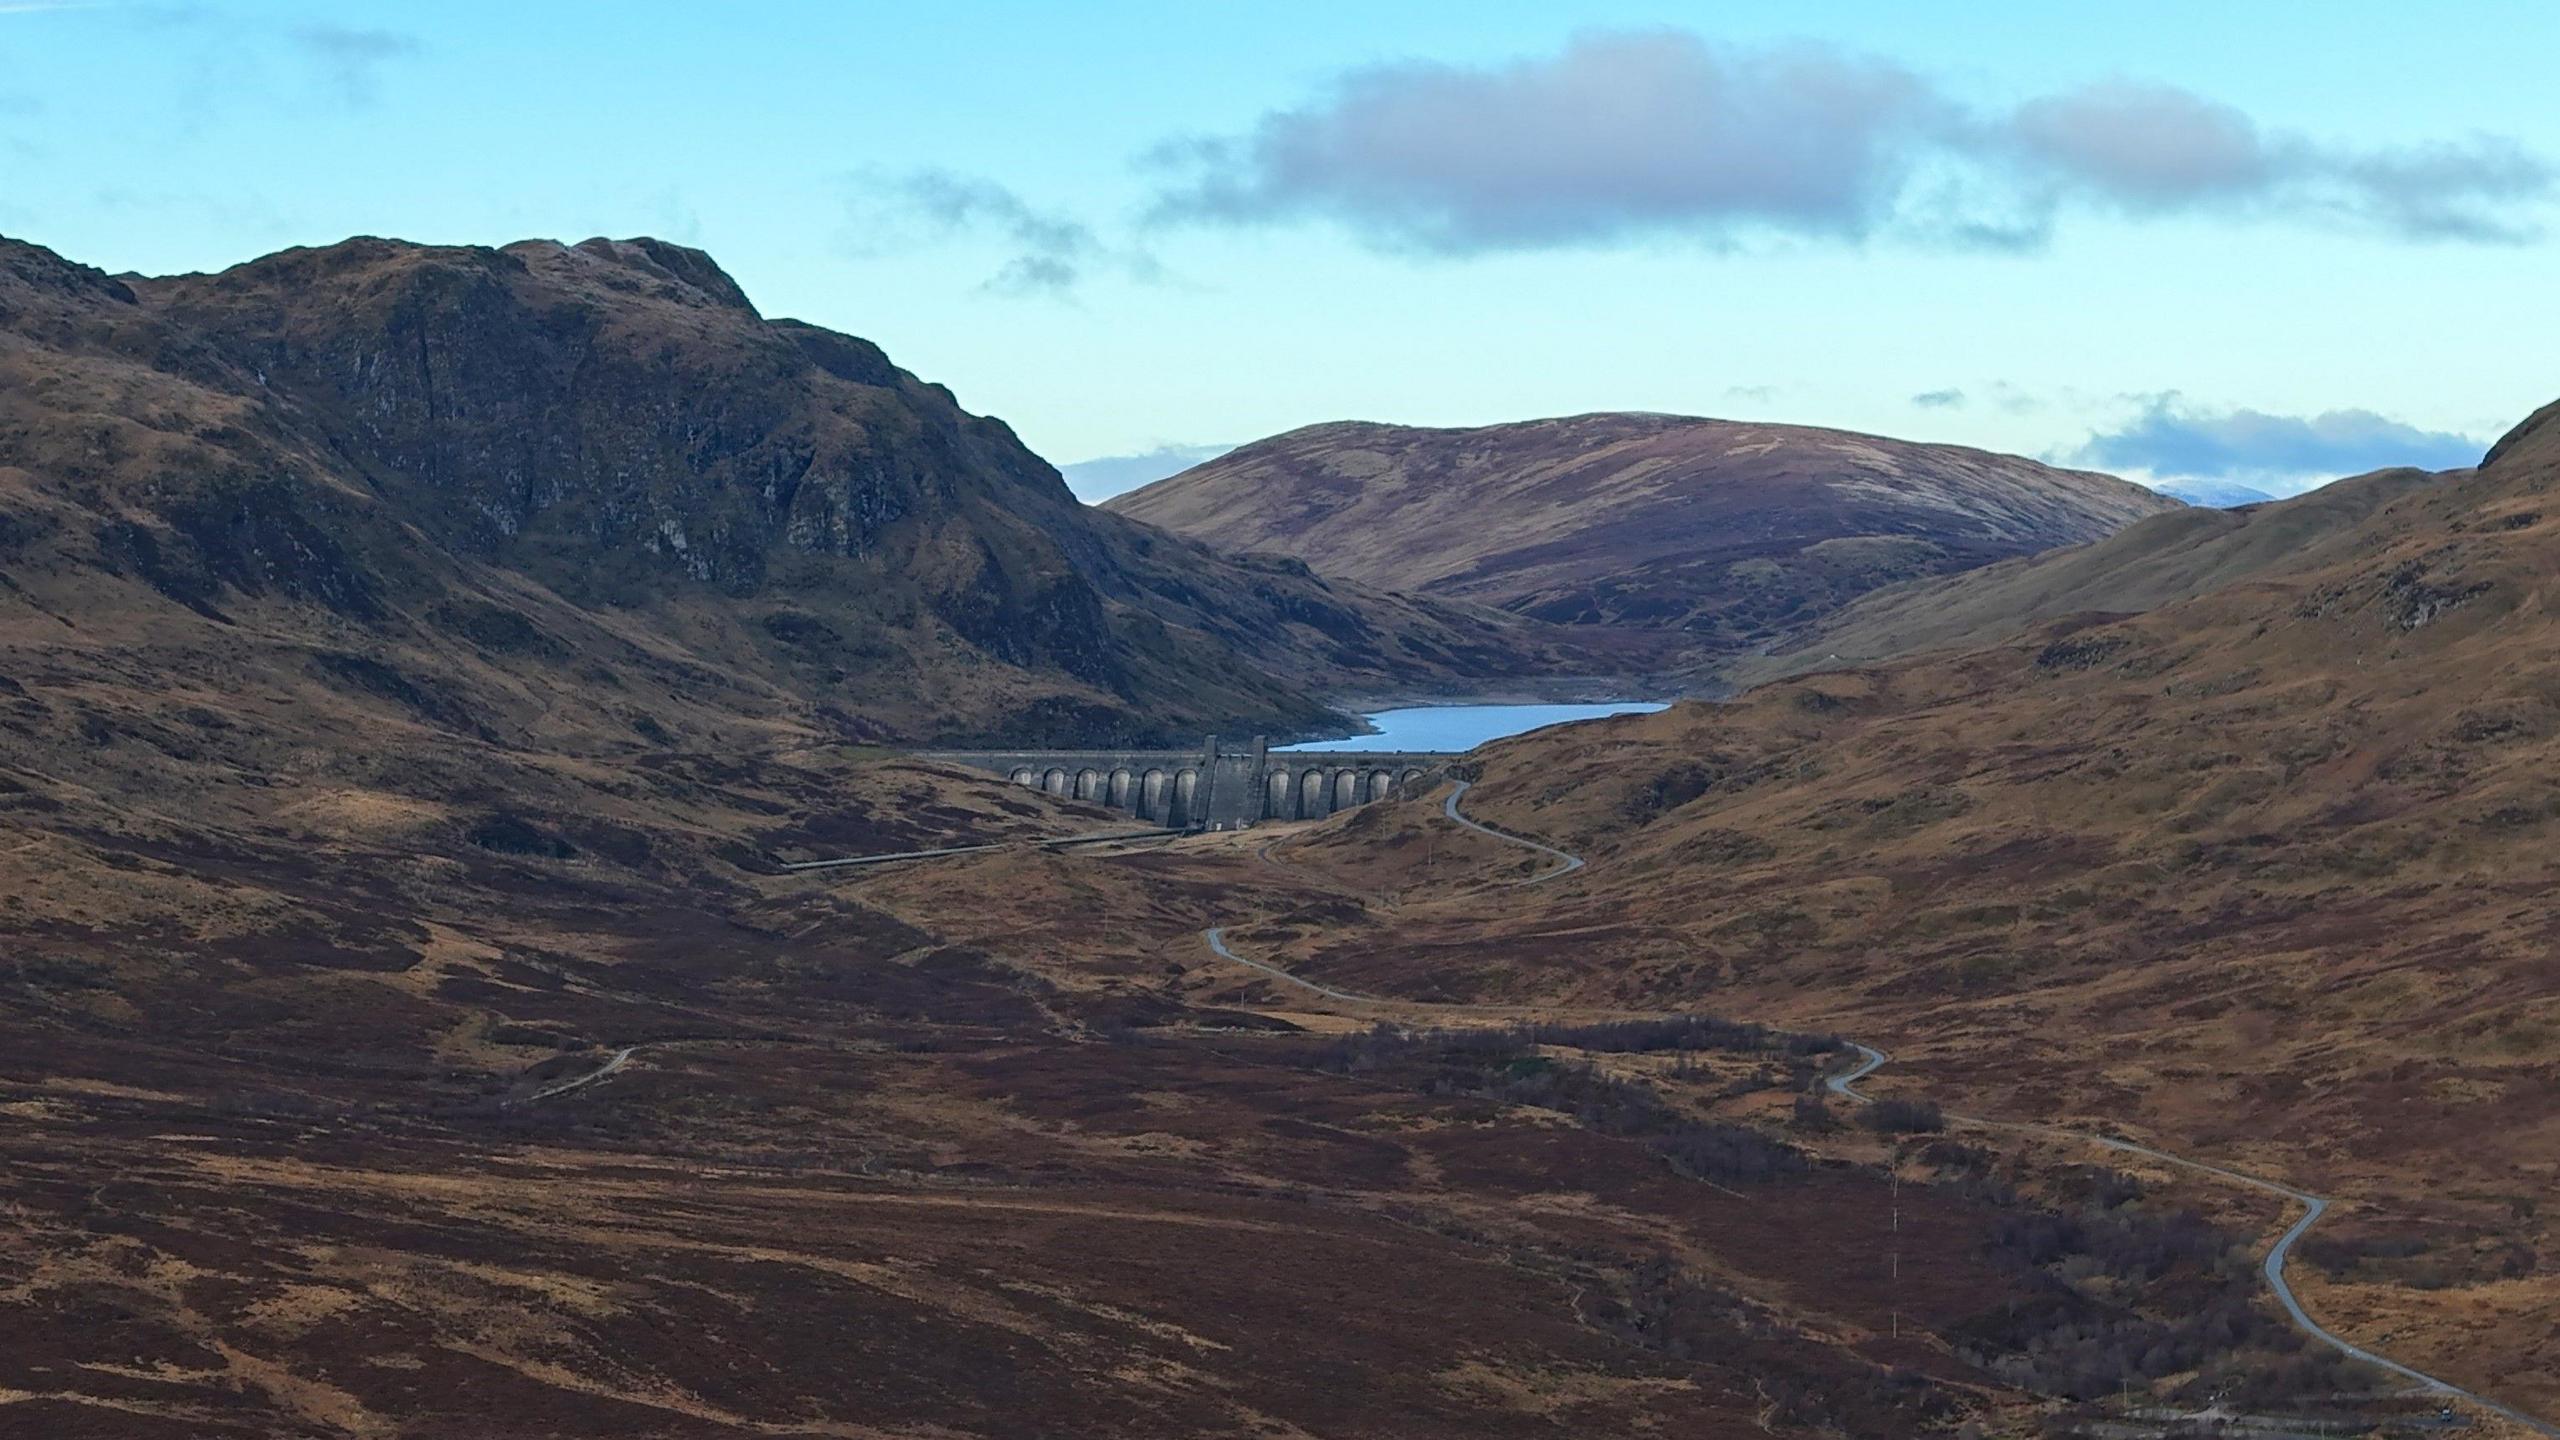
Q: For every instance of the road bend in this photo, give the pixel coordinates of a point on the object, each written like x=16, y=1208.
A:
x=612, y=1066
x=1567, y=863
x=1870, y=1060
x=2279, y=1255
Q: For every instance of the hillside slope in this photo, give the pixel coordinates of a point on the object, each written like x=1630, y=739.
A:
x=1723, y=531
x=413, y=664
x=2264, y=875
x=552, y=488
x=2147, y=564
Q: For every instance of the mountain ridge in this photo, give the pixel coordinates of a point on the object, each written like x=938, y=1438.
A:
x=387, y=440
x=1722, y=532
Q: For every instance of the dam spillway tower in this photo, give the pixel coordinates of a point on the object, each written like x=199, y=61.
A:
x=1221, y=786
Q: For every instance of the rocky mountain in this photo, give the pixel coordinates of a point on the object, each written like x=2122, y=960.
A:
x=1726, y=533
x=547, y=488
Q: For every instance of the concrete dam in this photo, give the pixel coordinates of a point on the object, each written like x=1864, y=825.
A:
x=1220, y=786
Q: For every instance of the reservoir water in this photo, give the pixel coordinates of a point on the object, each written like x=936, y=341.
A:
x=1464, y=727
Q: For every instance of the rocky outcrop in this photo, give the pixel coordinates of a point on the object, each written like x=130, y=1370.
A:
x=599, y=470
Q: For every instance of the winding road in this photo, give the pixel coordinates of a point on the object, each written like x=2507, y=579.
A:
x=1571, y=861
x=1216, y=935
x=612, y=1064
x=1870, y=1060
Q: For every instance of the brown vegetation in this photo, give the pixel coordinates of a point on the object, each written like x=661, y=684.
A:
x=2263, y=874
x=587, y=493
x=1716, y=536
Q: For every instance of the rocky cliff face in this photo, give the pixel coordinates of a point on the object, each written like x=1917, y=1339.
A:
x=618, y=398
x=521, y=474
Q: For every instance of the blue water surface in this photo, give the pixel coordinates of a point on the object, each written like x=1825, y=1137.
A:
x=1464, y=727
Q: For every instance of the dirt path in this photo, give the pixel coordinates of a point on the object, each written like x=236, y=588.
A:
x=1216, y=935
x=1571, y=861
x=618, y=1059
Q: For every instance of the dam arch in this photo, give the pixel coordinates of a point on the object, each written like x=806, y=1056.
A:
x=1315, y=800
x=1221, y=786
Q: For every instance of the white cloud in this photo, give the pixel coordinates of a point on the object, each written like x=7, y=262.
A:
x=1661, y=134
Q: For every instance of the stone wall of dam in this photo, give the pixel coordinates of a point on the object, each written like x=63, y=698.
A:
x=1220, y=786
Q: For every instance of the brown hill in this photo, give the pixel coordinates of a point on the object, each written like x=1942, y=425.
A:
x=2264, y=875
x=472, y=483
x=411, y=664
x=404, y=1028
x=1726, y=532
x=2147, y=564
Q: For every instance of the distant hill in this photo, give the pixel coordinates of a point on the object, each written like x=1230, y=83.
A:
x=1723, y=531
x=553, y=491
x=2147, y=564
x=2261, y=875
x=1102, y=477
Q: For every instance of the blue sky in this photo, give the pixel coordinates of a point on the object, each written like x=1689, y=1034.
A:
x=2171, y=238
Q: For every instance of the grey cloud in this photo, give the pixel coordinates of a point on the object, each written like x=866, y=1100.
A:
x=2149, y=147
x=1052, y=253
x=1948, y=399
x=1622, y=133
x=2276, y=453
x=2448, y=191
x=2156, y=149
x=231, y=56
x=1035, y=275
x=2014, y=400
x=1660, y=134
x=353, y=58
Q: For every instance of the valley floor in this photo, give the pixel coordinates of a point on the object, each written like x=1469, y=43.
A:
x=998, y=1145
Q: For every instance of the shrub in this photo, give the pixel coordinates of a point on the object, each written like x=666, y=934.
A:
x=1897, y=1116
x=1504, y=1066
